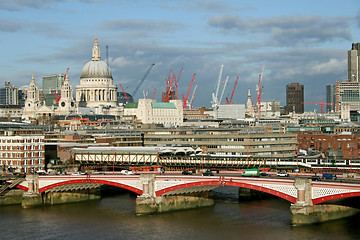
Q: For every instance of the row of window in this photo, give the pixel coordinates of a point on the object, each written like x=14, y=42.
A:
x=19, y=155
x=32, y=140
x=20, y=162
x=26, y=147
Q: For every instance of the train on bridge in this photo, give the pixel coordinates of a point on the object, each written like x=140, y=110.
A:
x=187, y=158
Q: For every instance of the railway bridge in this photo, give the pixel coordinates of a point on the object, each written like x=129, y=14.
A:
x=161, y=192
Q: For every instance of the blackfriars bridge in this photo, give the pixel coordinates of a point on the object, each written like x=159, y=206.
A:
x=155, y=190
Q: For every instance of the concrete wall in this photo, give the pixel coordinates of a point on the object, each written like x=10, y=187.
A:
x=170, y=203
x=12, y=197
x=319, y=213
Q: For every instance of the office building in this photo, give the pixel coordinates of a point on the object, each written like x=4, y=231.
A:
x=51, y=84
x=9, y=95
x=353, y=62
x=330, y=97
x=294, y=98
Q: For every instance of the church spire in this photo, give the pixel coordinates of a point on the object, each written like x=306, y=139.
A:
x=96, y=51
x=32, y=79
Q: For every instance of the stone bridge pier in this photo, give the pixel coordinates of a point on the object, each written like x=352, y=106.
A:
x=32, y=198
x=305, y=212
x=150, y=203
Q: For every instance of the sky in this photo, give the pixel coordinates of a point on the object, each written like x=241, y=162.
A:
x=288, y=41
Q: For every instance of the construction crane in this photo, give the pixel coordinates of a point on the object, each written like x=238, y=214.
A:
x=58, y=97
x=166, y=94
x=176, y=83
x=222, y=93
x=321, y=104
x=232, y=93
x=259, y=90
x=127, y=99
x=143, y=79
x=185, y=99
x=215, y=101
x=154, y=93
x=192, y=97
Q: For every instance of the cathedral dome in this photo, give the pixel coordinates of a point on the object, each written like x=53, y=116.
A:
x=96, y=69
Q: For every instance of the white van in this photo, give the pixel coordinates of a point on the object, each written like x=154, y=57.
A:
x=127, y=172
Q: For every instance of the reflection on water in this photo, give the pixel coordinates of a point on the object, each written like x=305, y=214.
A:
x=114, y=218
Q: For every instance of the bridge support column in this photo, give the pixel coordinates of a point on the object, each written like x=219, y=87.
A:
x=304, y=212
x=32, y=197
x=149, y=203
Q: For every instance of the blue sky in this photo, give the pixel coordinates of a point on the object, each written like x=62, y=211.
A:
x=295, y=41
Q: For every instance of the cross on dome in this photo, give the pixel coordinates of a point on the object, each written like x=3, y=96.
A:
x=96, y=51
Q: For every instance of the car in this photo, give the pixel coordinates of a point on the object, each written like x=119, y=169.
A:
x=315, y=178
x=127, y=172
x=186, y=172
x=79, y=173
x=264, y=174
x=208, y=173
x=282, y=174
x=41, y=172
x=329, y=176
x=20, y=175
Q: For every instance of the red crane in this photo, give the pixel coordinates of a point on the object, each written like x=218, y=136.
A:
x=258, y=103
x=321, y=104
x=176, y=83
x=166, y=94
x=187, y=95
x=127, y=99
x=154, y=94
x=58, y=97
x=232, y=93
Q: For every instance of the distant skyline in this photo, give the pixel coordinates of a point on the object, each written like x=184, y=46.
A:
x=294, y=41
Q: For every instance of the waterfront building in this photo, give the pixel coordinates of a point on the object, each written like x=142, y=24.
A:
x=96, y=89
x=256, y=142
x=21, y=147
x=341, y=146
x=353, y=62
x=294, y=98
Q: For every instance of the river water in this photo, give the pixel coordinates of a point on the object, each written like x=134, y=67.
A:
x=113, y=218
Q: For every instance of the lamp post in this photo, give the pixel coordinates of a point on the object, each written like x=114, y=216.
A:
x=351, y=151
x=73, y=157
x=297, y=160
x=114, y=157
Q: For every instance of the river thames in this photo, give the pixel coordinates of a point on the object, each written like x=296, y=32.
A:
x=113, y=218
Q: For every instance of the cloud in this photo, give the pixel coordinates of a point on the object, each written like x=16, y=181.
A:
x=333, y=66
x=16, y=5
x=140, y=25
x=120, y=62
x=287, y=30
x=10, y=26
